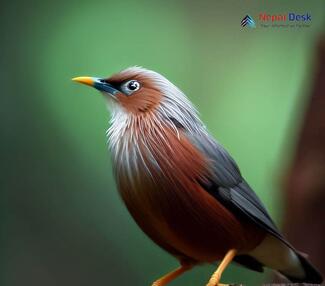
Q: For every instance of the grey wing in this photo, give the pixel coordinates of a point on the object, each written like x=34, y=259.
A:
x=229, y=187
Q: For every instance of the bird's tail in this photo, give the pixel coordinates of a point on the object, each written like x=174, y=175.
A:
x=311, y=276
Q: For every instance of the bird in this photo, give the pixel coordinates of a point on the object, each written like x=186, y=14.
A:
x=181, y=186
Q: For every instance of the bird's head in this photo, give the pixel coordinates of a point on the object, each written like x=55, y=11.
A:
x=139, y=93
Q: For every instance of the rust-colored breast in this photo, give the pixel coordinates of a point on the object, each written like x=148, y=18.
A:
x=175, y=211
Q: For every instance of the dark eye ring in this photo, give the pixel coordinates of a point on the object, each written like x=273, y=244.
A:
x=130, y=86
x=133, y=85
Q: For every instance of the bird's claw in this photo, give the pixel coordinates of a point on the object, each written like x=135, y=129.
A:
x=158, y=283
x=214, y=280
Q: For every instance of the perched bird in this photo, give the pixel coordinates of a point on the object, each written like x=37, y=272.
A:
x=182, y=187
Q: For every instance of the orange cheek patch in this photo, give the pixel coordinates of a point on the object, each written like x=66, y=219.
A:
x=145, y=99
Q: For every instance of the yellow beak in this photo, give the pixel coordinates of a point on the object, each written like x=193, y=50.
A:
x=85, y=80
x=98, y=83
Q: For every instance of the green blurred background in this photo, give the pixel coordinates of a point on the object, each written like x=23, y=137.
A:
x=62, y=222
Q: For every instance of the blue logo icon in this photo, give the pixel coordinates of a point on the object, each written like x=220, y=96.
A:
x=248, y=21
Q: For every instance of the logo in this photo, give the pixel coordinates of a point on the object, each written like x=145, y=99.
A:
x=264, y=17
x=287, y=20
x=248, y=21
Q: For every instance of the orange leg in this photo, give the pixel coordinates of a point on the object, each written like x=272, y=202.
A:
x=172, y=275
x=216, y=276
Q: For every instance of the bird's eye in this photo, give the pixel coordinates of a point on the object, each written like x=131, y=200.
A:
x=130, y=86
x=133, y=85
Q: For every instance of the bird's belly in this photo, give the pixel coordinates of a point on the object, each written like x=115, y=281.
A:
x=194, y=226
x=162, y=192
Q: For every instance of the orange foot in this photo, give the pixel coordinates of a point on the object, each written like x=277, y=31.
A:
x=216, y=276
x=171, y=275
